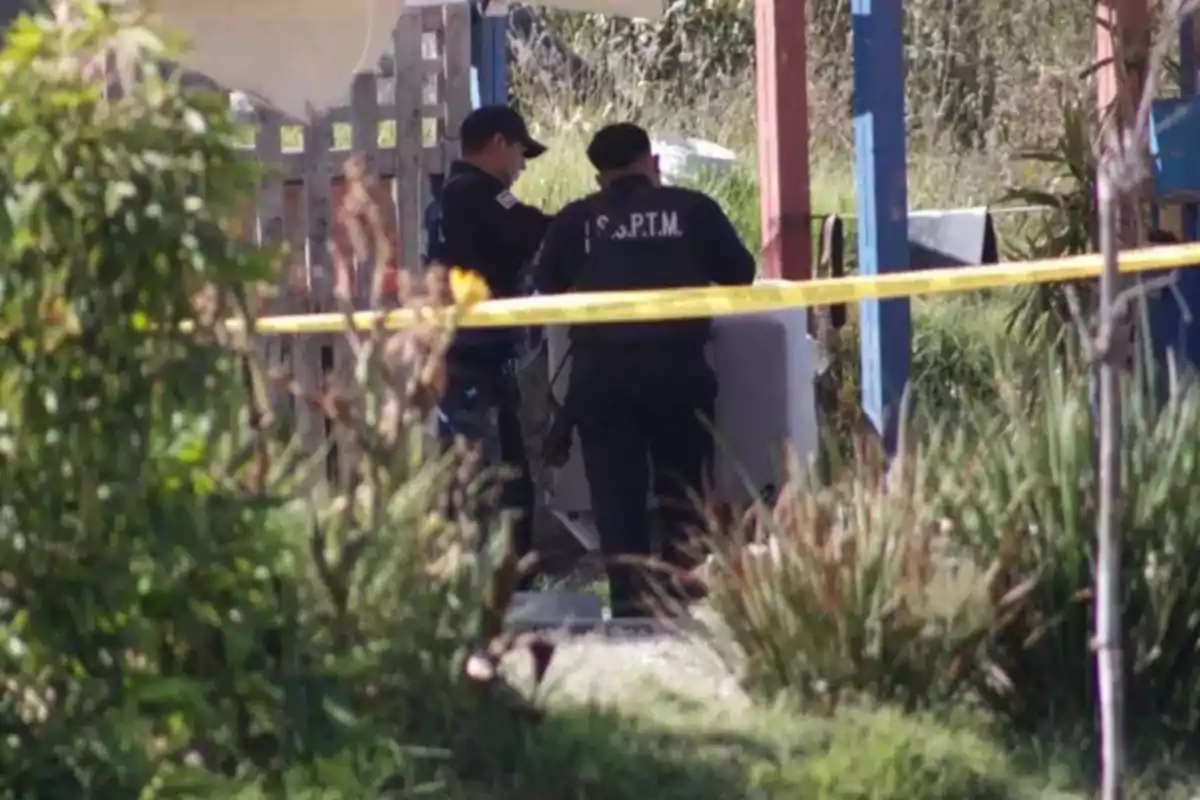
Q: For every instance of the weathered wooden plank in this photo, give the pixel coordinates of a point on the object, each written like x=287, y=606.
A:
x=275, y=351
x=385, y=163
x=433, y=160
x=429, y=97
x=293, y=165
x=314, y=350
x=318, y=174
x=361, y=266
x=456, y=71
x=365, y=138
x=433, y=87
x=434, y=92
x=407, y=169
x=431, y=24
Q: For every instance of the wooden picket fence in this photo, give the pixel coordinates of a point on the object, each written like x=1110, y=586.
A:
x=406, y=137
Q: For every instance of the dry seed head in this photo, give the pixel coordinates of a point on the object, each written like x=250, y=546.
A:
x=415, y=368
x=437, y=287
x=830, y=588
x=404, y=286
x=448, y=564
x=918, y=560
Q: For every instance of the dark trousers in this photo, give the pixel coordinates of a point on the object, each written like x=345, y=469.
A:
x=643, y=415
x=482, y=404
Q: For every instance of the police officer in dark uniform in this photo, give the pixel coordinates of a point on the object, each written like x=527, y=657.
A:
x=642, y=394
x=482, y=227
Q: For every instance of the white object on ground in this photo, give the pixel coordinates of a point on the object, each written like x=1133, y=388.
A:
x=683, y=158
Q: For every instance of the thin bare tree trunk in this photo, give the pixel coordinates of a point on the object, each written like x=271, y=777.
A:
x=1108, y=532
x=1121, y=175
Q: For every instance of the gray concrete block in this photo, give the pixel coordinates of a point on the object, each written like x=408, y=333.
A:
x=538, y=609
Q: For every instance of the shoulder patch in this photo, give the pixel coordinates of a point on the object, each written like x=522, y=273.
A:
x=506, y=199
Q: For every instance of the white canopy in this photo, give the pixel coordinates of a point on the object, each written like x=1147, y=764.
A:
x=300, y=55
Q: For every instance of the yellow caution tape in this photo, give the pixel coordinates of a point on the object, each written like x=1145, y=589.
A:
x=719, y=301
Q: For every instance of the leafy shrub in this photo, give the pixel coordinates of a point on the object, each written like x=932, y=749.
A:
x=1027, y=496
x=957, y=359
x=693, y=45
x=955, y=356
x=982, y=74
x=132, y=629
x=181, y=612
x=848, y=604
x=851, y=590
x=1064, y=184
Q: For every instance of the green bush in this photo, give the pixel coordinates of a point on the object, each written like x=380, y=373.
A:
x=955, y=355
x=140, y=588
x=968, y=573
x=958, y=359
x=1014, y=491
x=851, y=590
x=979, y=75
x=181, y=613
x=694, y=45
x=1026, y=496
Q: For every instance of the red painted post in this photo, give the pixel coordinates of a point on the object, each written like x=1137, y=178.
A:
x=786, y=210
x=1122, y=50
x=1122, y=32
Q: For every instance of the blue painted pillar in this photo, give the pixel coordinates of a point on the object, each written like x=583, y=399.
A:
x=489, y=58
x=1189, y=33
x=882, y=183
x=1170, y=330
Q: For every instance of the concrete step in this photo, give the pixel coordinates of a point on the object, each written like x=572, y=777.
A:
x=555, y=608
x=566, y=613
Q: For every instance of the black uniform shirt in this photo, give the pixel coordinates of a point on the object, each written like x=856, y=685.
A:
x=636, y=235
x=484, y=228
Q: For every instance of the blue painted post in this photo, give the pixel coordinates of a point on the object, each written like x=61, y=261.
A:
x=1170, y=331
x=1184, y=335
x=1189, y=32
x=882, y=182
x=489, y=57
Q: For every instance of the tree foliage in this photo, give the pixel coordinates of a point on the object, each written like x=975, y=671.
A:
x=176, y=619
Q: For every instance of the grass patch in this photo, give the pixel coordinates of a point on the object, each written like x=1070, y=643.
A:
x=692, y=750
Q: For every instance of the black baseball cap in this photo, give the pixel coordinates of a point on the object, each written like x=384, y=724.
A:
x=487, y=121
x=618, y=146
